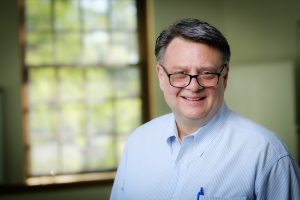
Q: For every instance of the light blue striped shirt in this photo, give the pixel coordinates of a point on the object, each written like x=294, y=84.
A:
x=230, y=158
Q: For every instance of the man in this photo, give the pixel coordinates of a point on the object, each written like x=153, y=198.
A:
x=202, y=150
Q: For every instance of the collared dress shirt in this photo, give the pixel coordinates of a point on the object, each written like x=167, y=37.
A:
x=230, y=158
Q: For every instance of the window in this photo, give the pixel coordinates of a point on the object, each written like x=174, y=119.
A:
x=84, y=84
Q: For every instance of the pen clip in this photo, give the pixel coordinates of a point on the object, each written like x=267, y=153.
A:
x=200, y=193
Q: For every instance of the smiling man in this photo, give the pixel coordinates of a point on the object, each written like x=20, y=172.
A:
x=202, y=150
x=193, y=101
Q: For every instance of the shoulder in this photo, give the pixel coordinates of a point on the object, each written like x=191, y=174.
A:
x=252, y=133
x=256, y=146
x=156, y=122
x=153, y=128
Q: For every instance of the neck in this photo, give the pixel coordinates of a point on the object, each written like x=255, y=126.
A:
x=186, y=127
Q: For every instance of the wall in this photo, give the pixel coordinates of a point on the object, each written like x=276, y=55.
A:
x=260, y=31
x=10, y=79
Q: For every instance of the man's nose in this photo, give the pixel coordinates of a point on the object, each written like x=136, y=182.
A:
x=194, y=85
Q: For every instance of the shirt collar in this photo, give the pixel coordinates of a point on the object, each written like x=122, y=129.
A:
x=205, y=134
x=215, y=122
x=171, y=132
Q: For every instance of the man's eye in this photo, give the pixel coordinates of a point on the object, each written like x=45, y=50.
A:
x=208, y=76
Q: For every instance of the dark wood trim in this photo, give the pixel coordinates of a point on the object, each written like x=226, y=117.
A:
x=23, y=189
x=24, y=74
x=144, y=58
x=297, y=87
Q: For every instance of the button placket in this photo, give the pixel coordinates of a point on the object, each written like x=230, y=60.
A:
x=181, y=164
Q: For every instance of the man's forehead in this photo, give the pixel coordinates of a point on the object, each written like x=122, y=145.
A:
x=195, y=67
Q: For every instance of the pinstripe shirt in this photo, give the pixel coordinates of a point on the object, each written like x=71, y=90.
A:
x=230, y=158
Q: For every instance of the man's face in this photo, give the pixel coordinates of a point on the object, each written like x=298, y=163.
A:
x=193, y=102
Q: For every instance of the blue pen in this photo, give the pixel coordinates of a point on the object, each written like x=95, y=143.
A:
x=200, y=193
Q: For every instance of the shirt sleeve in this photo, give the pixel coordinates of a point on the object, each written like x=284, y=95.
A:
x=118, y=186
x=281, y=182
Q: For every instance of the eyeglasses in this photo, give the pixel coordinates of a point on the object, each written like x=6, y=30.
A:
x=205, y=79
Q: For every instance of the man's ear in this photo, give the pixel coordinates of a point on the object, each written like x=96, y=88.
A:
x=158, y=70
x=225, y=78
x=159, y=73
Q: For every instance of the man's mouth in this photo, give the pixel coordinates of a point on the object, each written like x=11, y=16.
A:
x=194, y=98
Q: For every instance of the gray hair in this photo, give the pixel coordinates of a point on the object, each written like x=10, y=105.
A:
x=193, y=30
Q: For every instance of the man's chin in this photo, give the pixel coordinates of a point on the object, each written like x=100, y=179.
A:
x=196, y=116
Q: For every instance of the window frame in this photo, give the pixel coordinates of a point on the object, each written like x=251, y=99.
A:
x=143, y=41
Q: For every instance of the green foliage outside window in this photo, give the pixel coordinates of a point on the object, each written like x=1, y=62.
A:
x=84, y=94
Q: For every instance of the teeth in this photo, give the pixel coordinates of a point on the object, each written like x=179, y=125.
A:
x=193, y=99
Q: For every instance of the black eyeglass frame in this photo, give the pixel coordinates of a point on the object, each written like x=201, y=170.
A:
x=195, y=76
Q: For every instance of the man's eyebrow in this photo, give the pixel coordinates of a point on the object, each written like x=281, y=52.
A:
x=199, y=68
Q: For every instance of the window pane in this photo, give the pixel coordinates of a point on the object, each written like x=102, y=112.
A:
x=38, y=15
x=71, y=121
x=95, y=47
x=66, y=15
x=42, y=123
x=44, y=158
x=126, y=82
x=123, y=49
x=120, y=9
x=102, y=153
x=98, y=85
x=67, y=48
x=38, y=48
x=100, y=119
x=72, y=158
x=128, y=115
x=42, y=85
x=95, y=14
x=70, y=84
